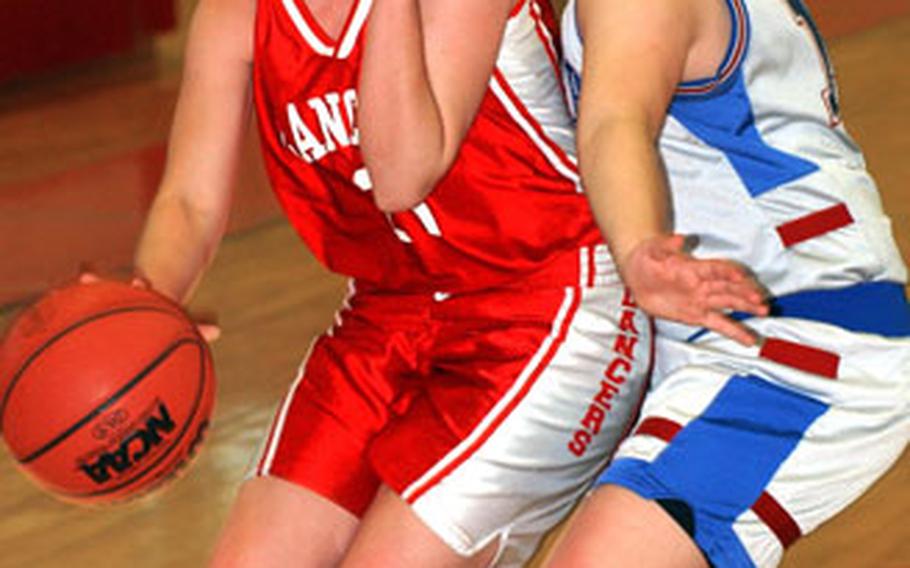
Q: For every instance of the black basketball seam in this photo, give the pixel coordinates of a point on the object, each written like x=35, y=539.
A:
x=47, y=344
x=106, y=404
x=203, y=364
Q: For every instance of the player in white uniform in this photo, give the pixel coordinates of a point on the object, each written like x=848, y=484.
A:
x=746, y=447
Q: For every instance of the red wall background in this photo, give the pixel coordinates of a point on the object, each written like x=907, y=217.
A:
x=38, y=35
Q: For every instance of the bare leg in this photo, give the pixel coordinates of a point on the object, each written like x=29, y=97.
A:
x=275, y=523
x=616, y=527
x=392, y=535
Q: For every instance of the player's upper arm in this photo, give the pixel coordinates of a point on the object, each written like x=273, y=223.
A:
x=425, y=72
x=213, y=106
x=462, y=40
x=635, y=56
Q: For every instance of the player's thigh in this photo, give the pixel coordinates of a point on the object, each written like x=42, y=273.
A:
x=616, y=527
x=391, y=534
x=311, y=478
x=748, y=450
x=275, y=523
x=528, y=395
x=348, y=388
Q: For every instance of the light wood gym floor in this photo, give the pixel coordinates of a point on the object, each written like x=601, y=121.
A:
x=100, y=129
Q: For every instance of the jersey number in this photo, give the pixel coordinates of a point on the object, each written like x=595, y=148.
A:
x=829, y=95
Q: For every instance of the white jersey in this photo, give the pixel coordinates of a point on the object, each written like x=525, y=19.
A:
x=761, y=168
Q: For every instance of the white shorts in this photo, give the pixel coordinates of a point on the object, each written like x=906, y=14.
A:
x=491, y=413
x=749, y=449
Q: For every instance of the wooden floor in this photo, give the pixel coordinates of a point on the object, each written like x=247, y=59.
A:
x=272, y=299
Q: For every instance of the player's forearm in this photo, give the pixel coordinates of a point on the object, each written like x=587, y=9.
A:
x=177, y=245
x=402, y=132
x=190, y=211
x=624, y=181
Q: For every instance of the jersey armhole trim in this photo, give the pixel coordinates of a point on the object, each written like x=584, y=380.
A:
x=735, y=54
x=565, y=164
x=516, y=8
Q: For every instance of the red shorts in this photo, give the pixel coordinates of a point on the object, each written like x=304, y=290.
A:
x=484, y=411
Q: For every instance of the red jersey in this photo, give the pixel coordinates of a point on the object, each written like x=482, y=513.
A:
x=510, y=209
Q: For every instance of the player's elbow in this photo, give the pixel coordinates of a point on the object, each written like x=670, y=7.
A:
x=395, y=198
x=402, y=179
x=399, y=186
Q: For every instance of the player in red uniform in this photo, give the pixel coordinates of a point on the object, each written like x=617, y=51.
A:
x=487, y=359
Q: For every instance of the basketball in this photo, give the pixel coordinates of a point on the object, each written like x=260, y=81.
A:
x=107, y=390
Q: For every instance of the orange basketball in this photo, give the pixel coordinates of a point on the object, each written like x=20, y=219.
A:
x=107, y=390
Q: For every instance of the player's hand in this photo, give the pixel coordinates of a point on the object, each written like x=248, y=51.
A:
x=208, y=330
x=669, y=283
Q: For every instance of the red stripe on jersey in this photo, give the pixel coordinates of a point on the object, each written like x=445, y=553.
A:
x=658, y=427
x=413, y=493
x=777, y=518
x=544, y=34
x=814, y=225
x=802, y=357
x=532, y=122
x=517, y=8
x=544, y=28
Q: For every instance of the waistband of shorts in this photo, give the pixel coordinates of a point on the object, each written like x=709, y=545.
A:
x=587, y=266
x=879, y=308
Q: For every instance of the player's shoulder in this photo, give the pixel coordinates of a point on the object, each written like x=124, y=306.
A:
x=225, y=27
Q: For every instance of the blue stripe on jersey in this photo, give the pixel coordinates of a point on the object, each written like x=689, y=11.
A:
x=721, y=462
x=723, y=119
x=868, y=307
x=572, y=84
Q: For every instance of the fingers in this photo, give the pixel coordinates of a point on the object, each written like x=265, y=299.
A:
x=724, y=304
x=741, y=297
x=140, y=282
x=207, y=325
x=88, y=278
x=727, y=286
x=209, y=331
x=89, y=274
x=727, y=327
x=676, y=242
x=670, y=284
x=720, y=270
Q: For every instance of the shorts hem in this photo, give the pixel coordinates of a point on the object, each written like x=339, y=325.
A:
x=454, y=537
x=351, y=508
x=717, y=547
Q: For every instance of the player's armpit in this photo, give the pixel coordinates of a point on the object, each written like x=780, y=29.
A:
x=425, y=71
